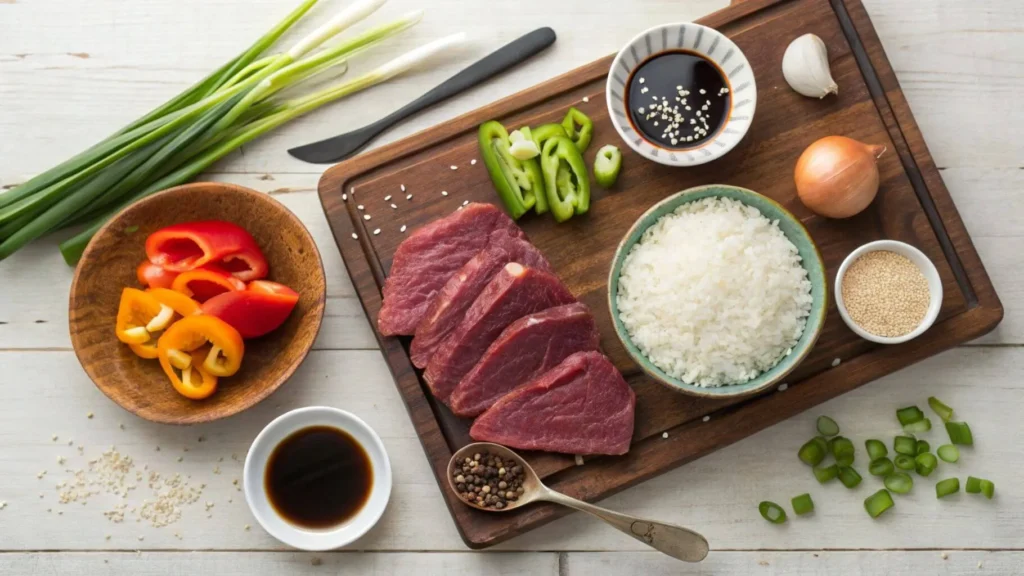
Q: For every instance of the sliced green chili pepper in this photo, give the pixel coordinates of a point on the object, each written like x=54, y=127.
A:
x=923, y=446
x=905, y=445
x=946, y=487
x=876, y=449
x=937, y=406
x=772, y=512
x=880, y=467
x=878, y=503
x=802, y=504
x=581, y=137
x=849, y=477
x=899, y=482
x=826, y=474
x=566, y=181
x=540, y=135
x=960, y=433
x=607, y=164
x=516, y=182
x=827, y=426
x=973, y=485
x=904, y=462
x=949, y=453
x=925, y=463
x=909, y=415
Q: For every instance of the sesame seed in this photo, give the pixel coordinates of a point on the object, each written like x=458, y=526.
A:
x=472, y=162
x=783, y=387
x=360, y=206
x=402, y=186
x=466, y=203
x=247, y=526
x=89, y=415
x=454, y=167
x=706, y=419
x=702, y=91
x=387, y=198
x=664, y=434
x=377, y=231
x=444, y=192
x=352, y=190
x=402, y=229
x=642, y=80
x=836, y=362
x=344, y=197
x=585, y=99
x=355, y=236
x=53, y=438
x=644, y=91
x=366, y=216
x=409, y=197
x=393, y=207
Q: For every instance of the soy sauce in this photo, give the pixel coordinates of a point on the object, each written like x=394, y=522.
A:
x=678, y=99
x=318, y=477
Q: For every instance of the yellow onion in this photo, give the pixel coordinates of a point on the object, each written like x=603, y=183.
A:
x=837, y=177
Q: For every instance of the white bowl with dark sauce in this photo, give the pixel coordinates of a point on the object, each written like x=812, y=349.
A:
x=681, y=94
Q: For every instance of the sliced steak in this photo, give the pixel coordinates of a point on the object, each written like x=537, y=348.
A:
x=514, y=292
x=583, y=406
x=462, y=289
x=426, y=260
x=528, y=348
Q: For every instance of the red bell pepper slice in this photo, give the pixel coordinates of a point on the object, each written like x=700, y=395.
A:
x=260, y=309
x=154, y=276
x=204, y=283
x=191, y=245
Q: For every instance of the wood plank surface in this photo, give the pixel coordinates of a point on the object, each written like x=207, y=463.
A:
x=913, y=206
x=959, y=66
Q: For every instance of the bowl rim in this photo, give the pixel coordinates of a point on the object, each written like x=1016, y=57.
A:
x=714, y=153
x=331, y=538
x=728, y=390
x=915, y=255
x=250, y=401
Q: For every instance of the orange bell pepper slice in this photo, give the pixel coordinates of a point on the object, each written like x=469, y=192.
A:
x=139, y=315
x=202, y=284
x=195, y=382
x=194, y=332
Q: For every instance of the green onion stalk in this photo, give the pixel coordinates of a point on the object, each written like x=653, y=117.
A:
x=290, y=109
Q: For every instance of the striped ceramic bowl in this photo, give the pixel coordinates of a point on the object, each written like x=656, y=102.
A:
x=708, y=43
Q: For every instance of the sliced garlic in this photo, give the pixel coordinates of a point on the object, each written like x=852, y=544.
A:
x=161, y=320
x=805, y=67
x=179, y=359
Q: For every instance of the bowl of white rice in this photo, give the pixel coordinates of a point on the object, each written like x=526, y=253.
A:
x=718, y=291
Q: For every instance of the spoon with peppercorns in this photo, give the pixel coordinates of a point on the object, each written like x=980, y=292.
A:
x=492, y=478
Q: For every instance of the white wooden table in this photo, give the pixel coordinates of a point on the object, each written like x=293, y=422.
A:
x=71, y=72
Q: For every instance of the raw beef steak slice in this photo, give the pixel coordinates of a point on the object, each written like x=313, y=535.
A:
x=528, y=348
x=514, y=292
x=452, y=301
x=583, y=406
x=425, y=261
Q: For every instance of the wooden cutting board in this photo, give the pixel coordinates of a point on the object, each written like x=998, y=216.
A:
x=913, y=206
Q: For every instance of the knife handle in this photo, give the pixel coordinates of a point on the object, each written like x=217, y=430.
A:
x=501, y=59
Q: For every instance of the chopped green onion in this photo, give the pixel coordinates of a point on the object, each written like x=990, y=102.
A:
x=919, y=426
x=803, y=504
x=949, y=453
x=811, y=452
x=946, y=487
x=973, y=485
x=827, y=426
x=904, y=462
x=899, y=482
x=944, y=412
x=878, y=503
x=772, y=512
x=876, y=449
x=849, y=477
x=842, y=451
x=905, y=445
x=880, y=467
x=923, y=446
x=826, y=474
x=909, y=415
x=988, y=488
x=960, y=433
x=925, y=463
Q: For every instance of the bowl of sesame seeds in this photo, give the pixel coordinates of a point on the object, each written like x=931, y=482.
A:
x=681, y=94
x=888, y=292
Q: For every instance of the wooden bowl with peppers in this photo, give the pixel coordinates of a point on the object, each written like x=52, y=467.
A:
x=197, y=302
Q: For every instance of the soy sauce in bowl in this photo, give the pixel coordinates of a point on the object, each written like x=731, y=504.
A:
x=678, y=99
x=318, y=477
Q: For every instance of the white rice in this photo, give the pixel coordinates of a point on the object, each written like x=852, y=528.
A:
x=714, y=293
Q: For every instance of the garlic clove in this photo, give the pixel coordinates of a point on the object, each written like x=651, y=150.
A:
x=805, y=67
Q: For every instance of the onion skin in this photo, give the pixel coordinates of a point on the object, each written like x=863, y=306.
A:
x=837, y=177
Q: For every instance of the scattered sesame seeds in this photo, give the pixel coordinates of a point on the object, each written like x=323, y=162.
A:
x=41, y=474
x=402, y=186
x=3, y=504
x=376, y=232
x=355, y=236
x=642, y=80
x=465, y=203
x=344, y=197
x=387, y=198
x=703, y=91
x=352, y=190
x=783, y=387
x=89, y=415
x=247, y=527
x=402, y=229
x=586, y=99
x=454, y=167
x=393, y=207
x=53, y=438
x=360, y=207
x=472, y=162
x=579, y=460
x=409, y=197
x=444, y=192
x=366, y=216
x=644, y=91
x=836, y=362
x=706, y=419
x=664, y=434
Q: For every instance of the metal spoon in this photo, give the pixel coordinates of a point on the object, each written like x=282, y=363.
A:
x=677, y=542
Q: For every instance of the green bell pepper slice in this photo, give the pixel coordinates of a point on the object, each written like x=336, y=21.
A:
x=540, y=135
x=581, y=137
x=518, y=184
x=607, y=165
x=566, y=181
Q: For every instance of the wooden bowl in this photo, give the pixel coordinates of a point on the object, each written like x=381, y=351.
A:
x=108, y=265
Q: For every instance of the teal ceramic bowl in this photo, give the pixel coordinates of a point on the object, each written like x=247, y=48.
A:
x=797, y=234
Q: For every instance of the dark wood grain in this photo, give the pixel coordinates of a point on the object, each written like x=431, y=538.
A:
x=913, y=205
x=108, y=266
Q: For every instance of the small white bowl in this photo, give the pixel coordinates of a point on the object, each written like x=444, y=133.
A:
x=305, y=538
x=931, y=274
x=707, y=42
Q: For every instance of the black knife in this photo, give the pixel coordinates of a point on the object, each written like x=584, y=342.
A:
x=342, y=146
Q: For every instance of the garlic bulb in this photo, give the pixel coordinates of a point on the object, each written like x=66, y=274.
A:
x=805, y=67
